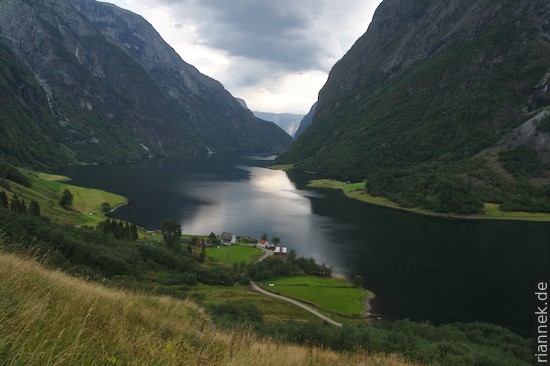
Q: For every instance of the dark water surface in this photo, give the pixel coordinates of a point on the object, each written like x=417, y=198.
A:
x=421, y=268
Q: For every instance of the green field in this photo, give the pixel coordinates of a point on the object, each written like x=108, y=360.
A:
x=327, y=293
x=234, y=254
x=491, y=211
x=274, y=310
x=46, y=189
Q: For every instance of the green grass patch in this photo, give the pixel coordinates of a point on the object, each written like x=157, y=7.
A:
x=234, y=254
x=46, y=189
x=53, y=177
x=274, y=310
x=327, y=293
x=491, y=211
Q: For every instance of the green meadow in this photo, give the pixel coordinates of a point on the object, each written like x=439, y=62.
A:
x=328, y=294
x=231, y=254
x=47, y=189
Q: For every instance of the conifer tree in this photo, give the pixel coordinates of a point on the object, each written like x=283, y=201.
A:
x=134, y=233
x=66, y=198
x=34, y=208
x=14, y=206
x=22, y=209
x=4, y=202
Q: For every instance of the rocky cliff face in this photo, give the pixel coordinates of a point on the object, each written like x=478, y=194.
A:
x=306, y=121
x=429, y=85
x=118, y=91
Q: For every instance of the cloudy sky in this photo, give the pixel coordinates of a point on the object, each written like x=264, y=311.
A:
x=275, y=54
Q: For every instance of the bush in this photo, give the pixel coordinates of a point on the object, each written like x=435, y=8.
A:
x=232, y=314
x=522, y=161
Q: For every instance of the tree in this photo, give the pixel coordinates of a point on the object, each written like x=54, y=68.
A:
x=275, y=240
x=22, y=209
x=105, y=207
x=66, y=198
x=358, y=281
x=202, y=256
x=134, y=232
x=34, y=208
x=213, y=240
x=4, y=200
x=264, y=236
x=14, y=205
x=171, y=232
x=292, y=255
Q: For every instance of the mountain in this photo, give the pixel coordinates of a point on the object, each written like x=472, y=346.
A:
x=424, y=104
x=114, y=90
x=242, y=102
x=287, y=121
x=306, y=121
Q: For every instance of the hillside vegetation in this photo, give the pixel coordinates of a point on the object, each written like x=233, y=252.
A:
x=419, y=97
x=47, y=190
x=49, y=318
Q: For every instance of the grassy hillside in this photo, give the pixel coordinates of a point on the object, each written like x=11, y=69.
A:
x=47, y=189
x=49, y=318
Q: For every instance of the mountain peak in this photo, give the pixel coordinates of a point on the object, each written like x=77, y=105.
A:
x=114, y=85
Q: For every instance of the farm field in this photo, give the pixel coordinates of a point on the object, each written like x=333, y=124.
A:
x=328, y=294
x=234, y=254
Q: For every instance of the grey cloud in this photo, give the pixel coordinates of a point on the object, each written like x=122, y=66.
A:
x=273, y=31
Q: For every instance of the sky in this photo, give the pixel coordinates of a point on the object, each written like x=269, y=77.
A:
x=274, y=54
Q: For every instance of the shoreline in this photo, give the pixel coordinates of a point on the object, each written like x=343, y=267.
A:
x=357, y=191
x=113, y=209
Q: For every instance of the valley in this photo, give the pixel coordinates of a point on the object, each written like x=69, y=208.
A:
x=398, y=216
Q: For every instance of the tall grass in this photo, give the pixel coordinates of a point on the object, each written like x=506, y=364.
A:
x=49, y=318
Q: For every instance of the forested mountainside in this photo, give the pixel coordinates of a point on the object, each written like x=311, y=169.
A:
x=97, y=83
x=440, y=104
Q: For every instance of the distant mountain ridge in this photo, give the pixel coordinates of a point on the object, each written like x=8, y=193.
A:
x=289, y=122
x=422, y=104
x=114, y=89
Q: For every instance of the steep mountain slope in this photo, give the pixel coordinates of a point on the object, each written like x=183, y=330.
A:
x=216, y=117
x=117, y=91
x=427, y=88
x=27, y=128
x=306, y=121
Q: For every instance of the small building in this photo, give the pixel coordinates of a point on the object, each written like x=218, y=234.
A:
x=281, y=251
x=228, y=238
x=262, y=243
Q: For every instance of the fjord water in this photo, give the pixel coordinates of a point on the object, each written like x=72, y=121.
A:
x=421, y=268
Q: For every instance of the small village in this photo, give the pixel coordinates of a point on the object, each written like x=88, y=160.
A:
x=228, y=238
